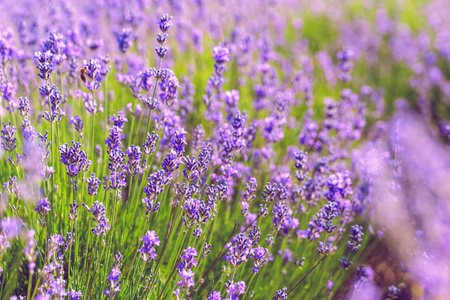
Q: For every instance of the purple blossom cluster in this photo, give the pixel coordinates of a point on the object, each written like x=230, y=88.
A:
x=148, y=251
x=75, y=159
x=114, y=277
x=98, y=211
x=184, y=268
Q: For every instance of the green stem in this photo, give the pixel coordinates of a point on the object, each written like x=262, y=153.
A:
x=92, y=139
x=154, y=93
x=175, y=266
x=30, y=279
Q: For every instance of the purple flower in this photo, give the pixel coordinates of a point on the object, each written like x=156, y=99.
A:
x=254, y=234
x=287, y=255
x=274, y=191
x=98, y=211
x=191, y=170
x=57, y=289
x=179, y=141
x=188, y=261
x=134, y=159
x=301, y=158
x=74, y=295
x=7, y=46
x=30, y=250
x=114, y=281
x=259, y=255
x=231, y=99
x=169, y=88
x=339, y=185
x=4, y=244
x=93, y=184
x=197, y=232
x=135, y=113
x=170, y=163
x=363, y=280
x=393, y=292
x=345, y=56
x=45, y=64
x=92, y=106
x=187, y=277
x=92, y=68
x=8, y=139
x=11, y=186
x=114, y=140
x=162, y=38
x=235, y=289
x=94, y=44
x=220, y=54
x=156, y=183
x=356, y=237
x=161, y=51
x=150, y=102
x=77, y=123
x=75, y=159
x=93, y=86
x=326, y=248
x=148, y=251
x=43, y=206
x=120, y=120
x=46, y=172
x=206, y=249
x=8, y=91
x=329, y=211
x=191, y=212
x=73, y=211
x=54, y=100
x=145, y=79
x=281, y=294
x=116, y=160
x=56, y=44
x=24, y=106
x=10, y=227
x=165, y=22
x=345, y=263
x=239, y=249
x=125, y=39
x=364, y=273
x=214, y=295
x=280, y=212
x=250, y=190
x=115, y=275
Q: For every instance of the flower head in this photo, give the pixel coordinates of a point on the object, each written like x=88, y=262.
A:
x=147, y=250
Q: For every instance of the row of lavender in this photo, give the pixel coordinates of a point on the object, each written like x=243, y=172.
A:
x=123, y=181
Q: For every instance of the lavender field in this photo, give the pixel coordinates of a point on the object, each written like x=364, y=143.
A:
x=195, y=149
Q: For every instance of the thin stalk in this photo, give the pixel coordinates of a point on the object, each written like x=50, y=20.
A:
x=92, y=139
x=36, y=287
x=166, y=237
x=70, y=247
x=175, y=266
x=30, y=280
x=218, y=257
x=306, y=275
x=52, y=177
x=96, y=271
x=154, y=93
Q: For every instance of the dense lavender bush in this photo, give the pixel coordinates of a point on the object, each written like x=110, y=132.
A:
x=212, y=150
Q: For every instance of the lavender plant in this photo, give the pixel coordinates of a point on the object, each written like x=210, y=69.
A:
x=260, y=151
